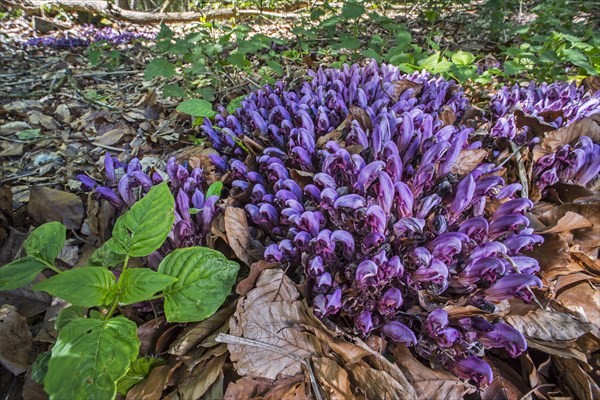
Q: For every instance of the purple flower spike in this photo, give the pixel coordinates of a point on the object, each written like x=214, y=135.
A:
x=436, y=321
x=368, y=175
x=507, y=337
x=464, y=194
x=390, y=301
x=512, y=207
x=315, y=267
x=400, y=333
x=334, y=301
x=513, y=285
x=364, y=322
x=126, y=190
x=366, y=273
x=473, y=369
x=107, y=194
x=345, y=240
x=143, y=179
x=87, y=183
x=350, y=201
x=109, y=168
x=508, y=223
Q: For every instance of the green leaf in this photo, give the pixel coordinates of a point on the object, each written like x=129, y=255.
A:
x=106, y=256
x=275, y=66
x=463, y=58
x=138, y=371
x=196, y=108
x=144, y=228
x=214, y=189
x=29, y=134
x=67, y=315
x=139, y=284
x=238, y=59
x=205, y=280
x=159, y=67
x=39, y=368
x=89, y=357
x=94, y=57
x=173, y=90
x=352, y=10
x=403, y=39
x=20, y=272
x=235, y=104
x=46, y=241
x=86, y=287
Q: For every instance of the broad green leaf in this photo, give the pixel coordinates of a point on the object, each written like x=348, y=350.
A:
x=205, y=280
x=29, y=134
x=20, y=272
x=39, y=368
x=67, y=315
x=89, y=357
x=214, y=189
x=235, y=104
x=106, y=256
x=173, y=90
x=94, y=57
x=139, y=284
x=159, y=67
x=352, y=10
x=86, y=287
x=144, y=228
x=238, y=59
x=138, y=371
x=275, y=66
x=196, y=108
x=463, y=58
x=46, y=241
x=403, y=39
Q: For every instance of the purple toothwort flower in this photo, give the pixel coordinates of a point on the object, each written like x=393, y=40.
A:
x=473, y=369
x=513, y=285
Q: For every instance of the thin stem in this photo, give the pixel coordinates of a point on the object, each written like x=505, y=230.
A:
x=51, y=266
x=116, y=300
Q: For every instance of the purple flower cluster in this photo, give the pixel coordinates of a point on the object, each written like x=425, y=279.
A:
x=374, y=215
x=558, y=104
x=89, y=35
x=127, y=183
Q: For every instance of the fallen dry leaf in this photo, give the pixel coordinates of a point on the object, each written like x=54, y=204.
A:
x=16, y=342
x=238, y=236
x=549, y=326
x=200, y=380
x=429, y=383
x=401, y=85
x=152, y=387
x=338, y=387
x=582, y=299
x=247, y=283
x=568, y=222
x=589, y=126
x=507, y=383
x=536, y=125
x=578, y=381
x=467, y=160
x=48, y=204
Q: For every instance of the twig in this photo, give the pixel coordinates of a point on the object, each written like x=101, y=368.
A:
x=522, y=174
x=534, y=389
x=16, y=177
x=231, y=339
x=107, y=147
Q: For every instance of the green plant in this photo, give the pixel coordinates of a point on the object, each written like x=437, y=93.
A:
x=96, y=353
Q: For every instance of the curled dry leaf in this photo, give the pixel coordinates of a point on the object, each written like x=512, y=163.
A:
x=507, y=383
x=582, y=299
x=247, y=283
x=16, y=342
x=200, y=380
x=591, y=83
x=589, y=126
x=467, y=160
x=152, y=387
x=238, y=236
x=568, y=222
x=429, y=383
x=576, y=379
x=537, y=126
x=362, y=117
x=550, y=326
x=401, y=85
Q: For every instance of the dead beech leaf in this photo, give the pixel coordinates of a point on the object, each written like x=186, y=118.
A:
x=48, y=204
x=568, y=222
x=362, y=117
x=247, y=283
x=238, y=236
x=200, y=380
x=27, y=302
x=337, y=383
x=578, y=381
x=582, y=299
x=507, y=383
x=447, y=116
x=149, y=333
x=16, y=342
x=467, y=160
x=536, y=125
x=589, y=126
x=268, y=314
x=549, y=325
x=111, y=137
x=13, y=127
x=568, y=193
x=553, y=257
x=194, y=334
x=152, y=387
x=402, y=85
x=591, y=83
x=429, y=383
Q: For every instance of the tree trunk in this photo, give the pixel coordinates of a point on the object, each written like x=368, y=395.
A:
x=34, y=7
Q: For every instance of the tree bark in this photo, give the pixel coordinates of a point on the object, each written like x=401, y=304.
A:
x=34, y=7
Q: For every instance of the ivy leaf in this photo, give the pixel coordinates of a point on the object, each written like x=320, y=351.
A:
x=106, y=256
x=46, y=241
x=20, y=272
x=214, y=189
x=89, y=357
x=139, y=284
x=86, y=287
x=196, y=108
x=144, y=228
x=205, y=280
x=138, y=371
x=159, y=67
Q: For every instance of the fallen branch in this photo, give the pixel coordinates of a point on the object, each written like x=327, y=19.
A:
x=35, y=7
